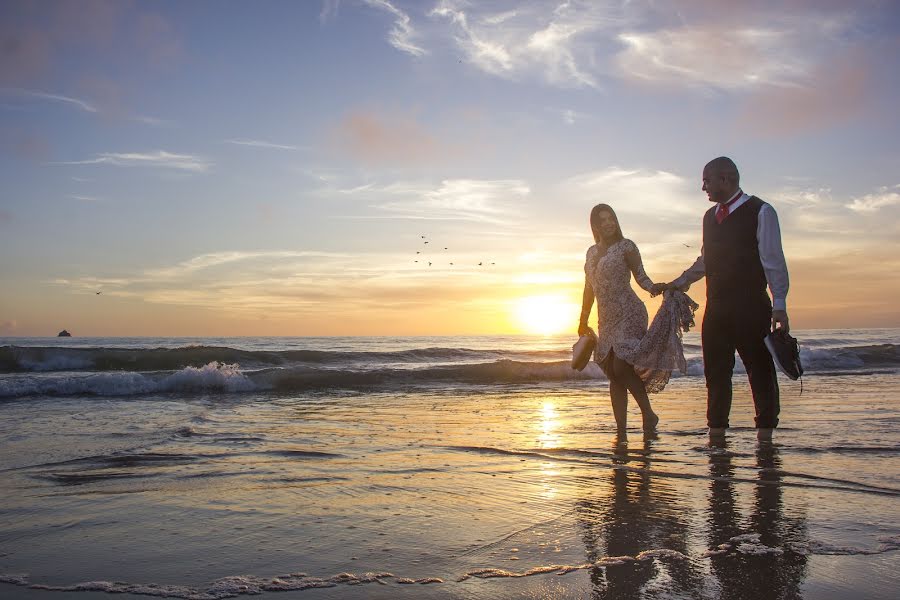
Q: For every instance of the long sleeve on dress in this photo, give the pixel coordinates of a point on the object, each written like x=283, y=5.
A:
x=633, y=257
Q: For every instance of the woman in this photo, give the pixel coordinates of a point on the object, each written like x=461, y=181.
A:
x=622, y=317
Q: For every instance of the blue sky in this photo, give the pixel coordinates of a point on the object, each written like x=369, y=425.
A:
x=248, y=168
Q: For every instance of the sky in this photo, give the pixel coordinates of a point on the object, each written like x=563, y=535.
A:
x=276, y=168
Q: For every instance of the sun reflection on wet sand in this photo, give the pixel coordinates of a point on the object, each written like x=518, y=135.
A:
x=549, y=425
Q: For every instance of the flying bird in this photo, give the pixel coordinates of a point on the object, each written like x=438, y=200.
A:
x=98, y=293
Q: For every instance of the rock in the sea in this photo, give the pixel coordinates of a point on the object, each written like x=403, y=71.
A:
x=63, y=333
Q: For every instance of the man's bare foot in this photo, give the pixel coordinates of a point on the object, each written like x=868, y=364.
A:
x=717, y=432
x=764, y=434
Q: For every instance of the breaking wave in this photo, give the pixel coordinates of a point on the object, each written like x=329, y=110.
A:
x=219, y=377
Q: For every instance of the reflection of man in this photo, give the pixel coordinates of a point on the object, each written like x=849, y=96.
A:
x=779, y=570
x=741, y=254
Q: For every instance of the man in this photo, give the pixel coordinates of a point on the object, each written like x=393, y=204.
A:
x=741, y=255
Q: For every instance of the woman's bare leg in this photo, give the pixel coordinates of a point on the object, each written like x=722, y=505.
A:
x=618, y=395
x=625, y=373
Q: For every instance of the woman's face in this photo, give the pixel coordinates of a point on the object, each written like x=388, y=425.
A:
x=606, y=223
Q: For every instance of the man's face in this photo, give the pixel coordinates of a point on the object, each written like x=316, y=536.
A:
x=715, y=185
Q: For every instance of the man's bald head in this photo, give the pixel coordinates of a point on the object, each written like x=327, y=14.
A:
x=721, y=179
x=724, y=167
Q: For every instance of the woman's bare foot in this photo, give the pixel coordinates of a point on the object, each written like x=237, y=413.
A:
x=651, y=422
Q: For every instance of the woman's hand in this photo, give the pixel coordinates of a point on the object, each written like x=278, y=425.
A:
x=584, y=329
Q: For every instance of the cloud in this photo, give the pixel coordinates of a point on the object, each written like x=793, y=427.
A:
x=42, y=40
x=154, y=121
x=285, y=283
x=535, y=41
x=261, y=144
x=485, y=201
x=871, y=203
x=638, y=191
x=734, y=59
x=215, y=259
x=402, y=33
x=103, y=97
x=329, y=10
x=379, y=139
x=76, y=102
x=159, y=159
x=833, y=93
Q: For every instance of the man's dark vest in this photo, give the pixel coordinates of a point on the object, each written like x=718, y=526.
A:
x=734, y=271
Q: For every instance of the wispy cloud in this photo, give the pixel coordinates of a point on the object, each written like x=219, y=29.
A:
x=834, y=91
x=160, y=159
x=329, y=10
x=538, y=40
x=215, y=259
x=154, y=121
x=874, y=202
x=76, y=102
x=638, y=191
x=402, y=33
x=84, y=198
x=261, y=144
x=732, y=60
x=485, y=201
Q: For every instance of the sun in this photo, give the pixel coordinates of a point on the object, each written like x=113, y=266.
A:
x=546, y=315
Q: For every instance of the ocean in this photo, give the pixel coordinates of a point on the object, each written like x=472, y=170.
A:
x=435, y=467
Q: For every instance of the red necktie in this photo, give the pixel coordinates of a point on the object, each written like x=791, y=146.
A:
x=723, y=209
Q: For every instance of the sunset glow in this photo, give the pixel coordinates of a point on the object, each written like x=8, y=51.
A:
x=546, y=315
x=437, y=165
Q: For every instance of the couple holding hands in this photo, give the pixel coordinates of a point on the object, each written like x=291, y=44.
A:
x=741, y=256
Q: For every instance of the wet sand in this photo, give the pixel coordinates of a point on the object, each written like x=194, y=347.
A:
x=517, y=492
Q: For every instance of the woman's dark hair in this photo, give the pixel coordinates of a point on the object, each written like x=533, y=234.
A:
x=595, y=225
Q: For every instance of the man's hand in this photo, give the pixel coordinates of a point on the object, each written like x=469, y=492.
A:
x=681, y=288
x=780, y=318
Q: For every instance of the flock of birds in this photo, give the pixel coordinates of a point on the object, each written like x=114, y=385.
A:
x=419, y=253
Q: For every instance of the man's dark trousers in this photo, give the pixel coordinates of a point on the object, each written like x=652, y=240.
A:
x=742, y=325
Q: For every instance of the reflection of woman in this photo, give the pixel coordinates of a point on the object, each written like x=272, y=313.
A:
x=631, y=511
x=622, y=317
